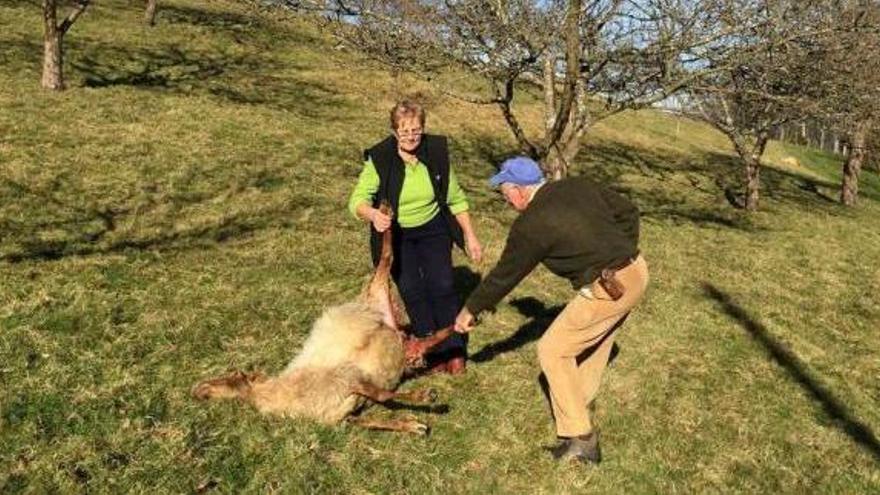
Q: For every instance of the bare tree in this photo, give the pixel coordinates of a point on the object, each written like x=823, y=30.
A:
x=765, y=78
x=587, y=59
x=851, y=71
x=150, y=12
x=872, y=149
x=852, y=166
x=53, y=37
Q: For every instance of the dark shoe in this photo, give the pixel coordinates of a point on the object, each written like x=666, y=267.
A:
x=452, y=361
x=456, y=366
x=435, y=368
x=584, y=448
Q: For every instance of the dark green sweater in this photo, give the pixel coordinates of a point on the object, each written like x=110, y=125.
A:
x=575, y=227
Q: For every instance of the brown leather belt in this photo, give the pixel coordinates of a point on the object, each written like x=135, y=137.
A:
x=620, y=265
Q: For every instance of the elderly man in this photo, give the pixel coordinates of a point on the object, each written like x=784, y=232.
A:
x=589, y=235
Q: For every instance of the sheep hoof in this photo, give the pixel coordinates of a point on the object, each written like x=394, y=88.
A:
x=419, y=428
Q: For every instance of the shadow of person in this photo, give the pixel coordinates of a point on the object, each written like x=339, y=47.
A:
x=859, y=431
x=438, y=409
x=465, y=281
x=541, y=317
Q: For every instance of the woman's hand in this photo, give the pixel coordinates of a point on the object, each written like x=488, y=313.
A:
x=380, y=221
x=471, y=243
x=473, y=248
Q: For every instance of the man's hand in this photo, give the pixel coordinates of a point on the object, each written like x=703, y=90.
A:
x=380, y=221
x=464, y=322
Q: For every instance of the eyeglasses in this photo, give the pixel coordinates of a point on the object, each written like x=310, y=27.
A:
x=410, y=133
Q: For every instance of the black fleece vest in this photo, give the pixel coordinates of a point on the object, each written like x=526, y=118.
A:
x=434, y=153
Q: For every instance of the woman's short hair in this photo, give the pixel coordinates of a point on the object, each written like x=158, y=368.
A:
x=407, y=109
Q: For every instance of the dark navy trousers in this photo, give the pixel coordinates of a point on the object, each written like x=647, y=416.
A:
x=422, y=270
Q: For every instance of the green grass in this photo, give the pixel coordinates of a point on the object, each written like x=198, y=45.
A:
x=180, y=211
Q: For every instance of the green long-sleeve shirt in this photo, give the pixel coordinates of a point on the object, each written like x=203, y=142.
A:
x=574, y=227
x=417, y=204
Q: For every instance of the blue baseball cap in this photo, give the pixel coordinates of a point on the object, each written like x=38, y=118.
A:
x=520, y=170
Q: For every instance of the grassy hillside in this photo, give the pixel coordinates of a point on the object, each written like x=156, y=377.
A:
x=180, y=211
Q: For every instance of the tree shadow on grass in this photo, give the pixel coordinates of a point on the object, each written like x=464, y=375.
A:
x=92, y=230
x=242, y=79
x=802, y=190
x=214, y=20
x=307, y=98
x=484, y=147
x=679, y=188
x=241, y=27
x=227, y=229
x=18, y=55
x=171, y=67
x=663, y=195
x=858, y=431
x=704, y=188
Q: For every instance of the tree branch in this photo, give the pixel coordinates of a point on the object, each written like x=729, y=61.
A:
x=512, y=122
x=78, y=8
x=572, y=67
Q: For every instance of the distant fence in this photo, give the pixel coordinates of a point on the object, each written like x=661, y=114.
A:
x=804, y=133
x=813, y=135
x=816, y=136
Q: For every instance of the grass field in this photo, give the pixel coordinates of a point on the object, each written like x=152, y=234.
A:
x=180, y=211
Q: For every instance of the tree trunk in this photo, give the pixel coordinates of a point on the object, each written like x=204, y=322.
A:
x=572, y=47
x=750, y=153
x=150, y=13
x=852, y=166
x=561, y=155
x=53, y=78
x=555, y=166
x=753, y=176
x=53, y=38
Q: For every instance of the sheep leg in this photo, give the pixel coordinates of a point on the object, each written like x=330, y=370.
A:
x=234, y=385
x=416, y=349
x=377, y=394
x=377, y=293
x=400, y=425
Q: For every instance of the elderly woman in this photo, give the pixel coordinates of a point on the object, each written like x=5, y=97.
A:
x=411, y=170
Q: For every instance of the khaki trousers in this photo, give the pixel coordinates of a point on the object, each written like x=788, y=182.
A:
x=587, y=323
